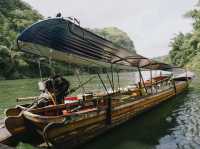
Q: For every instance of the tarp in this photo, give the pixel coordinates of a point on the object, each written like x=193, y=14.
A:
x=61, y=39
x=155, y=65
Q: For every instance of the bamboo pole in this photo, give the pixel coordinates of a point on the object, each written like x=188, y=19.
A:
x=151, y=81
x=109, y=80
x=112, y=77
x=109, y=103
x=141, y=79
x=26, y=98
x=118, y=80
x=79, y=80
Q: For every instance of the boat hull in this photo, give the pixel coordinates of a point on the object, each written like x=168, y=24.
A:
x=78, y=132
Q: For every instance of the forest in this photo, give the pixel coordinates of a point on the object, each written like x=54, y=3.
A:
x=15, y=16
x=186, y=47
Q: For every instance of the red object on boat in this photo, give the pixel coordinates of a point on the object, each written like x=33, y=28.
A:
x=71, y=98
x=65, y=112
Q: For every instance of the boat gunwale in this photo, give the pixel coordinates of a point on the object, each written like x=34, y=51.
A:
x=29, y=115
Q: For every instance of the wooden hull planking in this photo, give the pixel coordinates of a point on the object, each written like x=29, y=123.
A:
x=82, y=130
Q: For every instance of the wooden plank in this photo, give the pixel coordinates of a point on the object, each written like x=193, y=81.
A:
x=120, y=114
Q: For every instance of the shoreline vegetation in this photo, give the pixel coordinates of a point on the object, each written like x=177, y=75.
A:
x=185, y=47
x=15, y=16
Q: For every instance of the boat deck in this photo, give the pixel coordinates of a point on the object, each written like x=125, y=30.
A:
x=5, y=135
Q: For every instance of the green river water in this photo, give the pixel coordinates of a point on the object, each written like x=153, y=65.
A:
x=174, y=124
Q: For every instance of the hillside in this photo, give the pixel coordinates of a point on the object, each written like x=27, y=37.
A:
x=15, y=16
x=117, y=36
x=164, y=59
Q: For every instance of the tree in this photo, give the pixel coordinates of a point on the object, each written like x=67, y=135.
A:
x=15, y=16
x=186, y=47
x=117, y=36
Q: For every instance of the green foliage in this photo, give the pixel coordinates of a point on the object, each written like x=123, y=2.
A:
x=195, y=16
x=186, y=47
x=194, y=64
x=15, y=16
x=117, y=36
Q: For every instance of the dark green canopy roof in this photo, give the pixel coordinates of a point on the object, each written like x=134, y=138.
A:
x=60, y=39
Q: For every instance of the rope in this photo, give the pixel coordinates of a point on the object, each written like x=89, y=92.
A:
x=44, y=134
x=52, y=98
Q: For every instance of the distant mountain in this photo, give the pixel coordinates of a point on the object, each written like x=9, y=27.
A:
x=164, y=59
x=117, y=36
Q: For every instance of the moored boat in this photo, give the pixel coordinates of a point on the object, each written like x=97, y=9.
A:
x=56, y=115
x=86, y=123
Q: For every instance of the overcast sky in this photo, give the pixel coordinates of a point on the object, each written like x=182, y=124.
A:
x=150, y=23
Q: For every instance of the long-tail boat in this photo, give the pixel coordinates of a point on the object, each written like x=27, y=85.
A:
x=75, y=120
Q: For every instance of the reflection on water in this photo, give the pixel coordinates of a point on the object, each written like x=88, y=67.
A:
x=174, y=124
x=186, y=132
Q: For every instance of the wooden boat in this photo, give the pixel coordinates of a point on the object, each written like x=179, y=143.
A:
x=88, y=122
x=187, y=76
x=73, y=128
x=80, y=120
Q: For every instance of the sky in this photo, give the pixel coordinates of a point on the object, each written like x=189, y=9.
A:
x=151, y=24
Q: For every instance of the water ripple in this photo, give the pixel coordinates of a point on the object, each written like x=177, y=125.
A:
x=186, y=132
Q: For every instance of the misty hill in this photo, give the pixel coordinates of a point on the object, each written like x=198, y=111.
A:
x=164, y=59
x=117, y=36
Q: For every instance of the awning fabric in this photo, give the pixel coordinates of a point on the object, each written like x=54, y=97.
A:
x=61, y=39
x=155, y=65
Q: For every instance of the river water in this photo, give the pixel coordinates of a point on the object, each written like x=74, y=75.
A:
x=174, y=124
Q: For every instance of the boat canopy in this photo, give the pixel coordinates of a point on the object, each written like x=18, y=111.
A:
x=61, y=39
x=155, y=65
